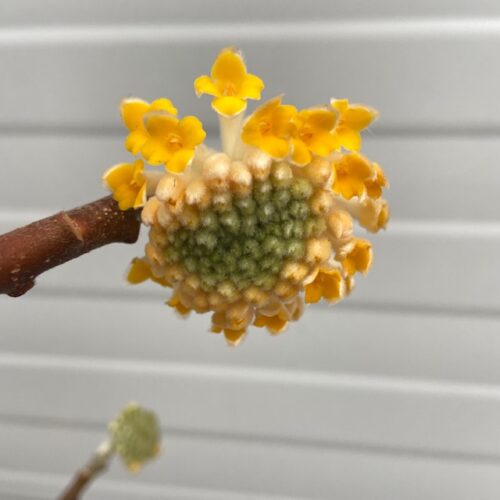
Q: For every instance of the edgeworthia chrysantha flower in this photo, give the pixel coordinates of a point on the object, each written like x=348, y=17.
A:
x=252, y=232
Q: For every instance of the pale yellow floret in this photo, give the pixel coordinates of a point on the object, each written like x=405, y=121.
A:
x=240, y=179
x=318, y=172
x=148, y=214
x=216, y=170
x=256, y=296
x=318, y=250
x=321, y=202
x=197, y=193
x=259, y=163
x=295, y=271
x=282, y=174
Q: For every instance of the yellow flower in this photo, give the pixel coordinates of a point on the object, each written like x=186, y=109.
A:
x=352, y=119
x=229, y=83
x=275, y=324
x=313, y=134
x=328, y=283
x=270, y=128
x=171, y=141
x=127, y=182
x=353, y=172
x=359, y=259
x=140, y=271
x=374, y=186
x=133, y=111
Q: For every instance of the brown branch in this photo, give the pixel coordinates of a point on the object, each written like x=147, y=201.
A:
x=31, y=250
x=96, y=465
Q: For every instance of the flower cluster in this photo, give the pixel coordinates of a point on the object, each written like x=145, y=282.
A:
x=254, y=231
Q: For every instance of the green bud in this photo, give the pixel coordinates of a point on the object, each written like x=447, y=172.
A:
x=262, y=191
x=281, y=197
x=209, y=219
x=230, y=220
x=249, y=225
x=252, y=248
x=301, y=189
x=190, y=264
x=300, y=210
x=295, y=249
x=265, y=212
x=246, y=205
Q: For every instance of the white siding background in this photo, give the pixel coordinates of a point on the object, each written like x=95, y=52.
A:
x=394, y=394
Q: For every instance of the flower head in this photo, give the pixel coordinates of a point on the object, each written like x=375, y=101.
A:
x=127, y=182
x=353, y=118
x=270, y=128
x=135, y=436
x=229, y=83
x=253, y=232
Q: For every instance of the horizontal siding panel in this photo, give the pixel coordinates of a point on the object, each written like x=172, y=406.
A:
x=334, y=340
x=418, y=265
x=257, y=470
x=57, y=75
x=288, y=407
x=51, y=12
x=443, y=178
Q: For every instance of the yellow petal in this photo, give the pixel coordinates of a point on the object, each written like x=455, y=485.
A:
x=300, y=155
x=322, y=144
x=313, y=292
x=229, y=68
x=136, y=140
x=251, y=87
x=132, y=111
x=191, y=131
x=348, y=187
x=125, y=196
x=358, y=117
x=161, y=125
x=340, y=105
x=274, y=147
x=282, y=119
x=138, y=272
x=234, y=337
x=276, y=324
x=155, y=152
x=348, y=138
x=320, y=118
x=229, y=106
x=165, y=105
x=205, y=85
x=118, y=175
x=359, y=166
x=180, y=160
x=332, y=285
x=140, y=199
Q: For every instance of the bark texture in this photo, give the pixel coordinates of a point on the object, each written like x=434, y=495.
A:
x=33, y=249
